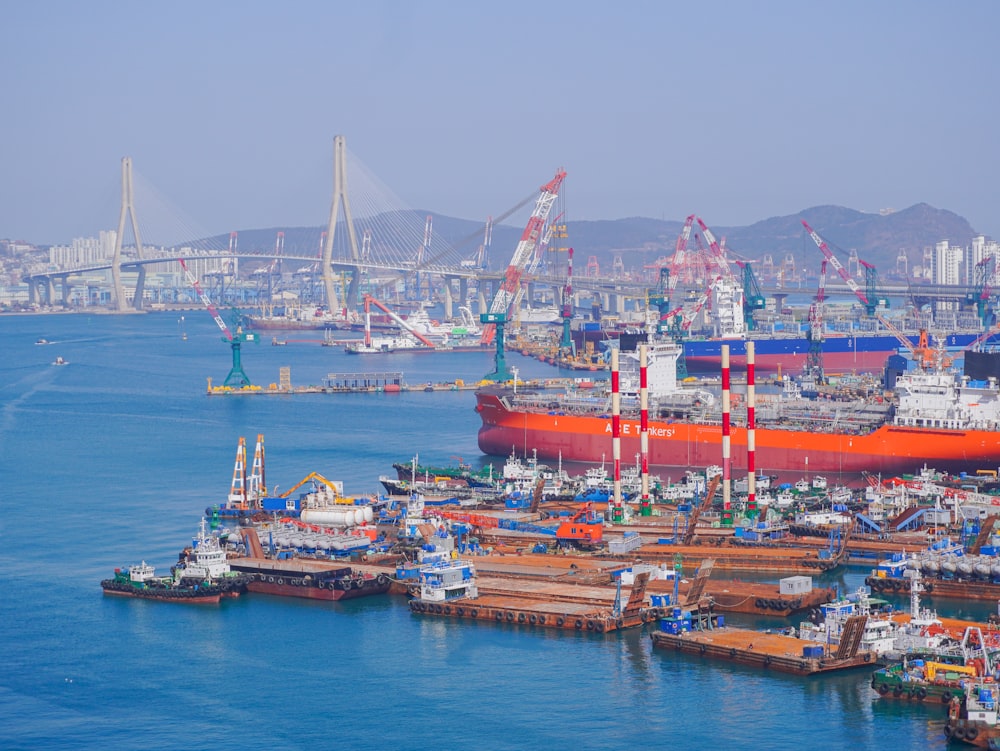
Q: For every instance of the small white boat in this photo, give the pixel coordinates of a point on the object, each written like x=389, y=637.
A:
x=59, y=361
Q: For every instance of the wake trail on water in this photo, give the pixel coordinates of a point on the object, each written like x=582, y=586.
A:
x=38, y=381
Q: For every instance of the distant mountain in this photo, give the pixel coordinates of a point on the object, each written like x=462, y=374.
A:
x=878, y=238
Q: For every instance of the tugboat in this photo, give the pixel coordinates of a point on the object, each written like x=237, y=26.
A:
x=205, y=562
x=141, y=581
x=202, y=575
x=443, y=579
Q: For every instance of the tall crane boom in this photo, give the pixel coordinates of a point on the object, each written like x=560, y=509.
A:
x=679, y=259
x=522, y=255
x=718, y=256
x=204, y=298
x=821, y=244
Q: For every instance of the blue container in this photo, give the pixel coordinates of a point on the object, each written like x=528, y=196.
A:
x=720, y=621
x=812, y=651
x=677, y=612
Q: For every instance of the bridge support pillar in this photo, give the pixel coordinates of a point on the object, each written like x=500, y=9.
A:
x=351, y=303
x=127, y=210
x=463, y=291
x=448, y=303
x=65, y=288
x=140, y=287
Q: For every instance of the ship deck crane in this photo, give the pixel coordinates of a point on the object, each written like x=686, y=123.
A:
x=236, y=377
x=495, y=320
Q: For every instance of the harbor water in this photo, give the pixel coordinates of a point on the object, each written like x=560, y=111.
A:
x=112, y=458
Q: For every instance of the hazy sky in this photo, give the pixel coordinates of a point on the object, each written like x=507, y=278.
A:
x=737, y=111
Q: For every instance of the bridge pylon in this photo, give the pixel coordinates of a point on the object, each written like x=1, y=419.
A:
x=340, y=197
x=128, y=207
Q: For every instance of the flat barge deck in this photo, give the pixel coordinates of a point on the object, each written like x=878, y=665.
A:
x=761, y=650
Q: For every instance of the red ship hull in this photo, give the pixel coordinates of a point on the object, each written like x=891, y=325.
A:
x=888, y=449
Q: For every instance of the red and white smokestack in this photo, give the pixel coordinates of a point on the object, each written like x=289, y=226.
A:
x=644, y=423
x=616, y=428
x=726, y=497
x=751, y=429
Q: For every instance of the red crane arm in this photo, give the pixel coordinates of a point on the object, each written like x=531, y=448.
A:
x=204, y=298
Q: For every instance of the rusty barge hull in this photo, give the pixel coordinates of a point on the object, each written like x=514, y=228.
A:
x=307, y=579
x=937, y=587
x=777, y=560
x=754, y=649
x=562, y=615
x=753, y=598
x=888, y=449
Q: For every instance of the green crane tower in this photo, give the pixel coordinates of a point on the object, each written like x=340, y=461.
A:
x=500, y=372
x=237, y=377
x=753, y=296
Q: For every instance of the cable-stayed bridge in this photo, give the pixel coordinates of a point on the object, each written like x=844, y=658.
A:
x=369, y=233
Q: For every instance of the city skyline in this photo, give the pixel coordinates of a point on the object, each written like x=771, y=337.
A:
x=736, y=112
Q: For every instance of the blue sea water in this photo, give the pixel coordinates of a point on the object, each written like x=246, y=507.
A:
x=112, y=459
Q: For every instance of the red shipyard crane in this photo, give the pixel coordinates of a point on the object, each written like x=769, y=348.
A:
x=236, y=375
x=670, y=273
x=494, y=321
x=825, y=249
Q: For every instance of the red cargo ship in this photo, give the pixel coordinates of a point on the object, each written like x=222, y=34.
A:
x=932, y=417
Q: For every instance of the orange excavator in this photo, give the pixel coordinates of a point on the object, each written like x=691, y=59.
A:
x=585, y=528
